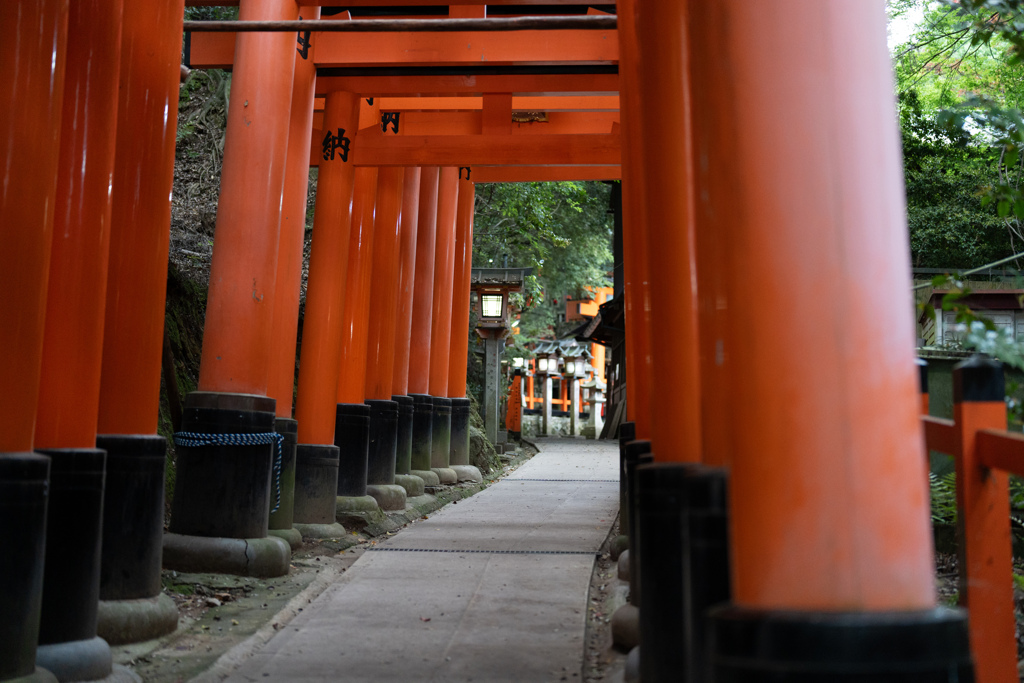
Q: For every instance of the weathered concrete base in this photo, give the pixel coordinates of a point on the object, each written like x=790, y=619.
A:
x=624, y=566
x=626, y=627
x=355, y=504
x=293, y=537
x=619, y=545
x=133, y=621
x=446, y=475
x=467, y=473
x=320, y=530
x=429, y=477
x=632, y=673
x=413, y=485
x=37, y=676
x=76, y=660
x=262, y=557
x=388, y=496
x=417, y=502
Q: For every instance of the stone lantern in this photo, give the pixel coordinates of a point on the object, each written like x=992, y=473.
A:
x=492, y=287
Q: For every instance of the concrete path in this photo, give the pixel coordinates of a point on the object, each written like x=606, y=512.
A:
x=493, y=588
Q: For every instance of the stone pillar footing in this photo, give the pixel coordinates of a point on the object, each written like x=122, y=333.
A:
x=292, y=536
x=389, y=497
x=467, y=473
x=632, y=672
x=446, y=475
x=261, y=557
x=133, y=621
x=346, y=504
x=76, y=660
x=413, y=485
x=754, y=645
x=334, y=530
x=429, y=477
x=626, y=627
x=37, y=676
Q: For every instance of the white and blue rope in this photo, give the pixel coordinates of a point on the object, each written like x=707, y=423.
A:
x=197, y=440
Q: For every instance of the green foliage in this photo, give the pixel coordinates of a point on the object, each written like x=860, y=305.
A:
x=960, y=85
x=943, y=490
x=562, y=230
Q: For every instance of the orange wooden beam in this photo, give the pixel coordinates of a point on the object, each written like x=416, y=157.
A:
x=547, y=103
x=487, y=150
x=581, y=47
x=471, y=123
x=329, y=80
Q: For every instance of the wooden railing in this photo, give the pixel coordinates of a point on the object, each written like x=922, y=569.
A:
x=985, y=453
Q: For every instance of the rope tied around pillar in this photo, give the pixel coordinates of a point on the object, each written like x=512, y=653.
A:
x=197, y=440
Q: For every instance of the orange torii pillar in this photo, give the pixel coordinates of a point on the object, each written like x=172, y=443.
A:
x=459, y=345
x=291, y=240
x=636, y=286
x=352, y=425
x=69, y=390
x=441, y=324
x=831, y=578
x=674, y=497
x=228, y=475
x=316, y=456
x=422, y=312
x=380, y=344
x=403, y=327
x=33, y=35
x=636, y=295
x=132, y=606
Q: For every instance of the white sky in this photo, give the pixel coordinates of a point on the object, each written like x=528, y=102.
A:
x=901, y=28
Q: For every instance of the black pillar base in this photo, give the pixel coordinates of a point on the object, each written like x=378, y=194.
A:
x=352, y=437
x=684, y=566
x=635, y=453
x=403, y=450
x=459, y=449
x=282, y=519
x=422, y=432
x=316, y=483
x=24, y=494
x=441, y=433
x=753, y=646
x=224, y=491
x=133, y=529
x=133, y=516
x=627, y=433
x=380, y=468
x=71, y=576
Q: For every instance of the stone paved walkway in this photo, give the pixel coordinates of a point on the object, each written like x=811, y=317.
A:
x=493, y=588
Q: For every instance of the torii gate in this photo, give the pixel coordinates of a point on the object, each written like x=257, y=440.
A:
x=740, y=181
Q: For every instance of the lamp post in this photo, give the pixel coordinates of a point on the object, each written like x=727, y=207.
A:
x=492, y=287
